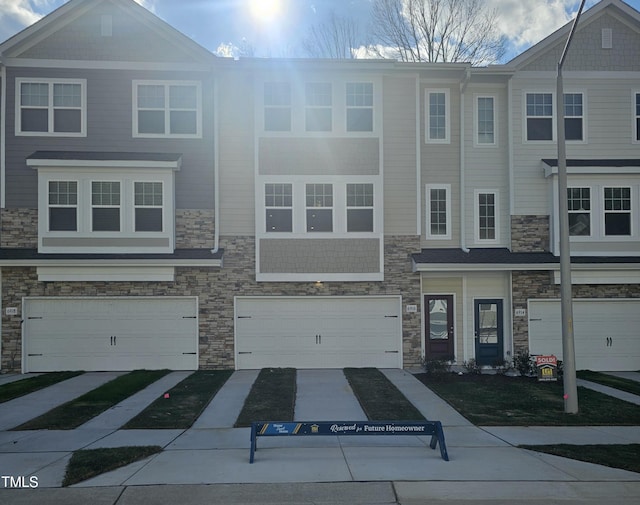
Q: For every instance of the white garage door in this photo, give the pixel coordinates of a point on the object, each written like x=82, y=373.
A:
x=110, y=333
x=606, y=332
x=318, y=332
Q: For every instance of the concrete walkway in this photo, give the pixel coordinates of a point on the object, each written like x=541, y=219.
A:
x=207, y=463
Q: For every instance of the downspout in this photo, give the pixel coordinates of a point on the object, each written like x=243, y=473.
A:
x=463, y=206
x=216, y=170
x=3, y=131
x=510, y=161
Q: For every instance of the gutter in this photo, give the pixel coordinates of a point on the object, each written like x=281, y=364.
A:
x=216, y=169
x=463, y=206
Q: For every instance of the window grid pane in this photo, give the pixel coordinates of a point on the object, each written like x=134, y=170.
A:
x=485, y=120
x=437, y=116
x=617, y=199
x=579, y=205
x=540, y=104
x=63, y=193
x=487, y=216
x=34, y=94
x=438, y=211
x=359, y=97
x=67, y=95
x=105, y=194
x=319, y=195
x=278, y=195
x=359, y=195
x=150, y=96
x=148, y=194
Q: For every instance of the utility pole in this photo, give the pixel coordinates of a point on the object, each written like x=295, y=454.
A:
x=568, y=348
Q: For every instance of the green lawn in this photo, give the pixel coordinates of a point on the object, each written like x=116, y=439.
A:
x=496, y=400
x=23, y=387
x=626, y=457
x=76, y=412
x=379, y=398
x=630, y=386
x=272, y=397
x=185, y=403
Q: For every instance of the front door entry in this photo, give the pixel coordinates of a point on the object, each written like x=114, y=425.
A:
x=488, y=332
x=438, y=326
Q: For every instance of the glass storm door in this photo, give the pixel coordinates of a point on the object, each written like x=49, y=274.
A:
x=438, y=326
x=488, y=332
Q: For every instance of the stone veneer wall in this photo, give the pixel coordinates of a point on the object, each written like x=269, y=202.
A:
x=19, y=228
x=532, y=285
x=216, y=289
x=529, y=233
x=194, y=228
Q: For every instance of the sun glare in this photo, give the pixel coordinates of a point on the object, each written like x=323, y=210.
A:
x=265, y=10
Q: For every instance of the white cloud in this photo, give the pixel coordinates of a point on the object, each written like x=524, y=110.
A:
x=526, y=23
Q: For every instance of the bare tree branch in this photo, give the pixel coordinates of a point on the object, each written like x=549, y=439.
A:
x=437, y=30
x=335, y=38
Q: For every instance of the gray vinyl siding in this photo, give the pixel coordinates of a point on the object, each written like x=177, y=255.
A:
x=109, y=128
x=236, y=154
x=440, y=163
x=81, y=39
x=586, y=52
x=486, y=166
x=313, y=156
x=399, y=150
x=608, y=126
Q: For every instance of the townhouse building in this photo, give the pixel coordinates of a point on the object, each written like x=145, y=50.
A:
x=165, y=208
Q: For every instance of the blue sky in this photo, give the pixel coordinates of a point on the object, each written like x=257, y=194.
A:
x=219, y=23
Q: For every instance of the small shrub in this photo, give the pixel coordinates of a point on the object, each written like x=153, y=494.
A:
x=472, y=367
x=438, y=367
x=502, y=366
x=524, y=364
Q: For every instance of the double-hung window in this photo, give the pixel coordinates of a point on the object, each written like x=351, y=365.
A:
x=487, y=220
x=51, y=107
x=63, y=205
x=105, y=206
x=359, y=101
x=539, y=116
x=319, y=201
x=573, y=116
x=318, y=113
x=360, y=207
x=148, y=205
x=167, y=109
x=438, y=198
x=485, y=127
x=278, y=202
x=437, y=116
x=579, y=200
x=617, y=211
x=277, y=106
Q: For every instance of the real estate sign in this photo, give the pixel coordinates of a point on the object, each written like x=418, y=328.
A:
x=547, y=367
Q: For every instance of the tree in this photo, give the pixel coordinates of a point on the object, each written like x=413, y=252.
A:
x=335, y=38
x=437, y=31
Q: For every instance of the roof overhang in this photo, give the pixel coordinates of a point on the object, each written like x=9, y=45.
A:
x=593, y=167
x=81, y=159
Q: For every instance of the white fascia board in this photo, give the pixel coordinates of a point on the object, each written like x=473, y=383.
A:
x=474, y=267
x=106, y=65
x=550, y=171
x=44, y=163
x=319, y=277
x=200, y=263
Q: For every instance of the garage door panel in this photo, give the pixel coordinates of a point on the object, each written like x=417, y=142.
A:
x=606, y=332
x=111, y=333
x=318, y=332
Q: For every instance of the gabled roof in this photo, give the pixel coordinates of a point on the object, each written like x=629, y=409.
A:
x=560, y=35
x=73, y=9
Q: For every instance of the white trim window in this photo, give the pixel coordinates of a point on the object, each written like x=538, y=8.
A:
x=539, y=116
x=105, y=206
x=438, y=206
x=636, y=117
x=437, y=129
x=487, y=229
x=617, y=211
x=360, y=207
x=359, y=106
x=318, y=102
x=319, y=203
x=277, y=106
x=485, y=121
x=579, y=204
x=63, y=205
x=167, y=109
x=148, y=204
x=278, y=202
x=46, y=107
x=574, y=117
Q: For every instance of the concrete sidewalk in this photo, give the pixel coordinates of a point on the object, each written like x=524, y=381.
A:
x=209, y=463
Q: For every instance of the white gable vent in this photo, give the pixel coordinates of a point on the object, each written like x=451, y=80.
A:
x=106, y=25
x=607, y=38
